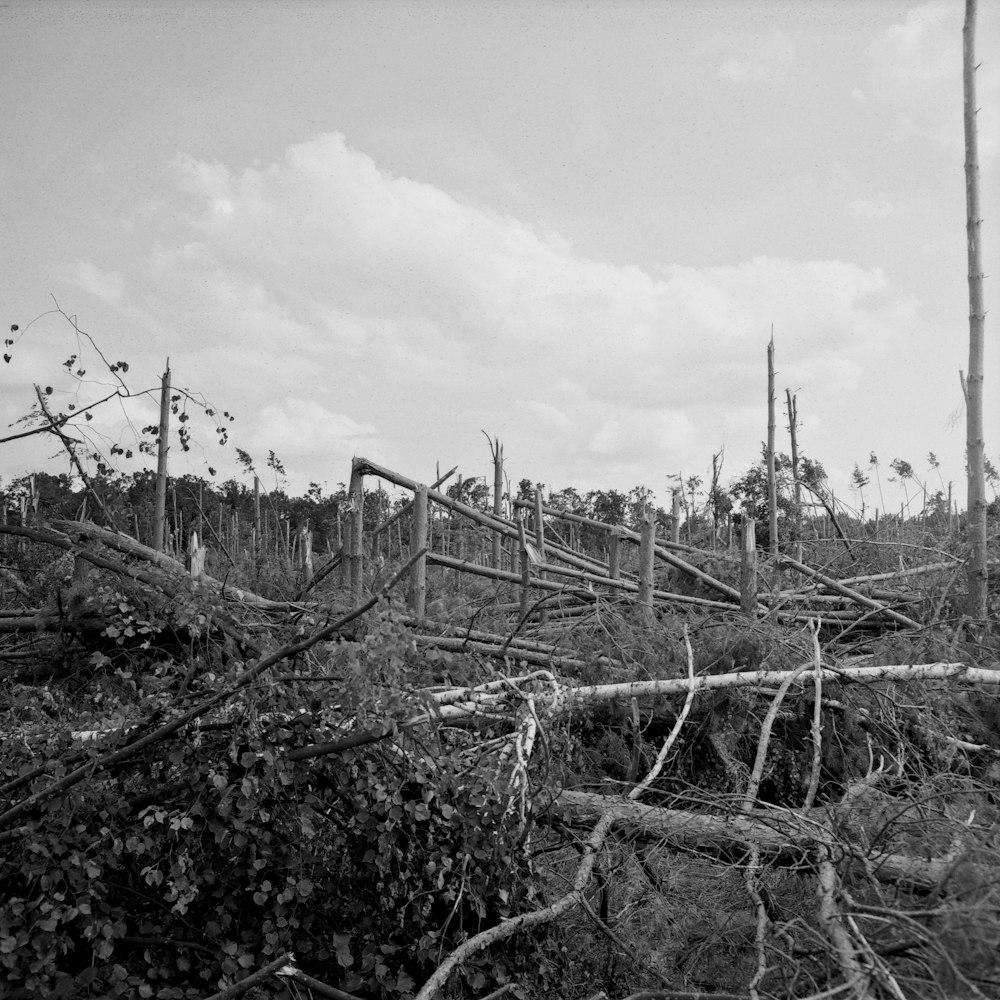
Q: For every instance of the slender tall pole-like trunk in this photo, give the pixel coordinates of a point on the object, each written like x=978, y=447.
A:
x=647, y=545
x=540, y=543
x=355, y=528
x=772, y=479
x=258, y=526
x=418, y=541
x=975, y=444
x=160, y=499
x=496, y=451
x=793, y=420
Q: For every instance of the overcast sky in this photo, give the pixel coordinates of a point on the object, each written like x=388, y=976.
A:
x=381, y=228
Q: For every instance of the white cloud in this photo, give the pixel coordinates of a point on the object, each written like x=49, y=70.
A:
x=547, y=413
x=874, y=208
x=924, y=47
x=105, y=285
x=630, y=435
x=387, y=318
x=756, y=58
x=299, y=427
x=913, y=62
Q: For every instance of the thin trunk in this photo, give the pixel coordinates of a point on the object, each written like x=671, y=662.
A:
x=418, y=542
x=496, y=450
x=975, y=444
x=793, y=418
x=772, y=479
x=614, y=553
x=647, y=547
x=257, y=527
x=160, y=502
x=748, y=568
x=355, y=527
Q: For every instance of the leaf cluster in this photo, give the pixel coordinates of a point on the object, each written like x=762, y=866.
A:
x=209, y=856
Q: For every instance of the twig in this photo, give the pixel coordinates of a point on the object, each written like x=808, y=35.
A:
x=292, y=971
x=827, y=886
x=675, y=731
x=67, y=443
x=238, y=989
x=509, y=927
x=621, y=943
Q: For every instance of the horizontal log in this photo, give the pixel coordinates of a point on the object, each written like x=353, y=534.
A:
x=781, y=834
x=897, y=673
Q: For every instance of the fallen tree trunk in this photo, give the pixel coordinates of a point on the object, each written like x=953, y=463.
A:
x=129, y=546
x=853, y=595
x=783, y=836
x=899, y=673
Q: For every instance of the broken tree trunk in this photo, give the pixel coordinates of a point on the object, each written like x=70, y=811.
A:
x=160, y=501
x=781, y=835
x=418, y=541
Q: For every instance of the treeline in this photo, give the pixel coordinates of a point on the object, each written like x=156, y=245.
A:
x=236, y=511
x=193, y=503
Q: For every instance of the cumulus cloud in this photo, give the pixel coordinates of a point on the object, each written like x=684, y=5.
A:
x=350, y=310
x=924, y=47
x=300, y=427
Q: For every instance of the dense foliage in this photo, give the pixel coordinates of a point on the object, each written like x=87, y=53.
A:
x=216, y=853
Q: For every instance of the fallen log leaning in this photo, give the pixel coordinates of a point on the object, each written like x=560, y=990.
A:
x=129, y=546
x=839, y=588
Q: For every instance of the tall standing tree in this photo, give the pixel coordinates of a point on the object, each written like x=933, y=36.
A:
x=973, y=383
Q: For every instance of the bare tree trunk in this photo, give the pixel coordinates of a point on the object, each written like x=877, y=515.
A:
x=713, y=495
x=748, y=568
x=496, y=450
x=614, y=553
x=975, y=444
x=418, y=541
x=793, y=418
x=772, y=480
x=257, y=525
x=160, y=502
x=540, y=543
x=646, y=552
x=355, y=527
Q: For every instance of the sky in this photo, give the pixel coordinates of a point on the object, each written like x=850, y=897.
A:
x=392, y=229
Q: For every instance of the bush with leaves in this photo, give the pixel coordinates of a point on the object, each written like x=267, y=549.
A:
x=370, y=866
x=206, y=857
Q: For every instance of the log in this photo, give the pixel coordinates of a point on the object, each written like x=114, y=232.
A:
x=853, y=595
x=172, y=567
x=782, y=835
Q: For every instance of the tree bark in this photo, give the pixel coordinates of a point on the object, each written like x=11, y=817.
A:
x=160, y=502
x=772, y=479
x=781, y=835
x=975, y=444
